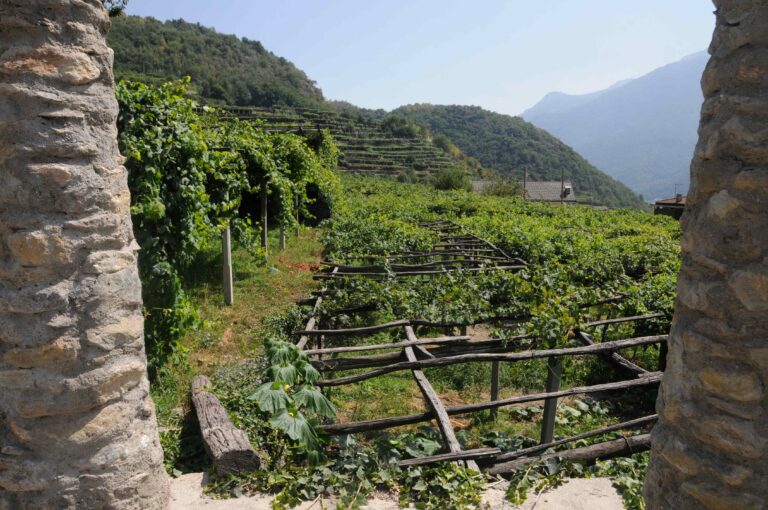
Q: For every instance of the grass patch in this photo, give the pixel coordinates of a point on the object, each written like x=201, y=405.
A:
x=229, y=334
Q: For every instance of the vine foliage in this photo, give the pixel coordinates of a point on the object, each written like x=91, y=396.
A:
x=188, y=173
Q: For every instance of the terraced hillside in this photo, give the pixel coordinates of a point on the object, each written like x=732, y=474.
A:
x=367, y=148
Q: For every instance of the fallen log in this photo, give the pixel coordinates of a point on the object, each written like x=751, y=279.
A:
x=600, y=451
x=229, y=447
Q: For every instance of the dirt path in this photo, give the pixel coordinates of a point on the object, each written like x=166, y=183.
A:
x=576, y=494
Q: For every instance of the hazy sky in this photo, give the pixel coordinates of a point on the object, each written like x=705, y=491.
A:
x=503, y=55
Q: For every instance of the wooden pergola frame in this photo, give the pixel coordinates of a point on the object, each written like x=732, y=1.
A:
x=461, y=250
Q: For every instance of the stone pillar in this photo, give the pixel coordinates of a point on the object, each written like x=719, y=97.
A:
x=77, y=426
x=710, y=448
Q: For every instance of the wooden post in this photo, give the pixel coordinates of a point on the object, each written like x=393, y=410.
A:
x=663, y=351
x=282, y=235
x=226, y=246
x=296, y=205
x=494, y=387
x=525, y=183
x=554, y=373
x=263, y=204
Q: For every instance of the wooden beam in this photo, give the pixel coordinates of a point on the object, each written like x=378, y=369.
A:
x=512, y=357
x=402, y=322
x=344, y=268
x=613, y=357
x=619, y=320
x=343, y=274
x=441, y=351
x=430, y=395
x=312, y=322
x=393, y=345
x=397, y=421
x=475, y=454
x=609, y=449
x=525, y=452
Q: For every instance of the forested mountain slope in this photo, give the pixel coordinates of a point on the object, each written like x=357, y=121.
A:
x=510, y=145
x=223, y=68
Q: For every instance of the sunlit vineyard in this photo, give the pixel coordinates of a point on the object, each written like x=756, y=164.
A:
x=583, y=265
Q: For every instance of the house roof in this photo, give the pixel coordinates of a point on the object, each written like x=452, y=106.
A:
x=548, y=191
x=678, y=200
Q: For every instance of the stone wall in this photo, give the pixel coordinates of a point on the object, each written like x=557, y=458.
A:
x=710, y=448
x=77, y=427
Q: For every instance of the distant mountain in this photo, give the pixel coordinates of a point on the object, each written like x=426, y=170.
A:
x=224, y=68
x=556, y=102
x=641, y=131
x=510, y=145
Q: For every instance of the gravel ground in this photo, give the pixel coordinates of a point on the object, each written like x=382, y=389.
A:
x=575, y=494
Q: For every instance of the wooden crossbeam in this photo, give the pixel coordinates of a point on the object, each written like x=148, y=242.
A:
x=378, y=347
x=398, y=421
x=430, y=395
x=599, y=451
x=525, y=452
x=478, y=453
x=613, y=357
x=343, y=274
x=510, y=357
x=620, y=320
x=404, y=267
x=312, y=322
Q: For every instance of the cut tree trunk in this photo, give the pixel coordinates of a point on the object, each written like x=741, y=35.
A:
x=229, y=447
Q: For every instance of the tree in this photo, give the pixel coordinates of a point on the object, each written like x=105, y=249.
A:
x=710, y=446
x=77, y=426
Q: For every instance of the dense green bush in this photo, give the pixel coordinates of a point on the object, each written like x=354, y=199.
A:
x=451, y=179
x=504, y=187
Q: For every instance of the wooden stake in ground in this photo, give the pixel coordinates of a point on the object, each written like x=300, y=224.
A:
x=226, y=245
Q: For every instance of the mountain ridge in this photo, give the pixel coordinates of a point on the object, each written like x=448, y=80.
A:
x=642, y=133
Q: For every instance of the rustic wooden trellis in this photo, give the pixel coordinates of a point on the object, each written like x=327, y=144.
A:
x=461, y=250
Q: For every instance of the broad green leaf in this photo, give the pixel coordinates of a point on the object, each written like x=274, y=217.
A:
x=312, y=399
x=271, y=397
